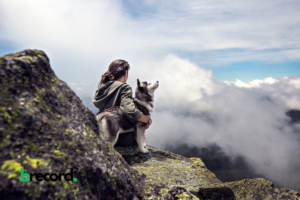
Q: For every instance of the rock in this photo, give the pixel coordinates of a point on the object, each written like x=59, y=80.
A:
x=178, y=176
x=45, y=128
x=259, y=188
x=168, y=173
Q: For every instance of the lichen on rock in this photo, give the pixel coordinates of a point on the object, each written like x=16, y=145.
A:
x=260, y=188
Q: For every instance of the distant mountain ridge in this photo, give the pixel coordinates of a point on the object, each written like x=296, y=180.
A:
x=294, y=115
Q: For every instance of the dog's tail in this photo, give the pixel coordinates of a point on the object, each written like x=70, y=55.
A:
x=99, y=118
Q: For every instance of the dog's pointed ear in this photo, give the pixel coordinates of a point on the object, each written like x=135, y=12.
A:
x=138, y=82
x=139, y=85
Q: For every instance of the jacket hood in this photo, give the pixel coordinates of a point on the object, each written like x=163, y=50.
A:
x=105, y=92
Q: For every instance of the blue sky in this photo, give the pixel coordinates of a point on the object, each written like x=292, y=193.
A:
x=7, y=47
x=248, y=71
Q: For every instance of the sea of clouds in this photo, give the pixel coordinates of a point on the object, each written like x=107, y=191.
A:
x=246, y=119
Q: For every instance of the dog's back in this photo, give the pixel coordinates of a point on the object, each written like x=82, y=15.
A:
x=111, y=121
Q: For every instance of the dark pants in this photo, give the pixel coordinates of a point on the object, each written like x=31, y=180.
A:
x=127, y=139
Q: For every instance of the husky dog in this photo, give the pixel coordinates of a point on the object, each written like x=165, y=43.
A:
x=112, y=121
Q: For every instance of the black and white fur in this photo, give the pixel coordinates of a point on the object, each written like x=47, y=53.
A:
x=112, y=121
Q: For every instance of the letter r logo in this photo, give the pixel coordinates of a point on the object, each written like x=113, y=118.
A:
x=24, y=176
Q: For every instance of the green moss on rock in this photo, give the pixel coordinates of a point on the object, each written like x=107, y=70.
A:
x=34, y=162
x=2, y=62
x=11, y=168
x=28, y=59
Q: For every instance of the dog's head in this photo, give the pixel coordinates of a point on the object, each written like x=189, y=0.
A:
x=145, y=91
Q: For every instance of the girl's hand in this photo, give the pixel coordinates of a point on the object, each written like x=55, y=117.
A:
x=145, y=119
x=147, y=126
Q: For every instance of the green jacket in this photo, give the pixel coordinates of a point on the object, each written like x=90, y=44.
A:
x=116, y=93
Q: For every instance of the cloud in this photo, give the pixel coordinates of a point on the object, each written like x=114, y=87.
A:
x=254, y=83
x=95, y=32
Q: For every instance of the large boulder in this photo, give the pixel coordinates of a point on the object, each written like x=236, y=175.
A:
x=45, y=128
x=259, y=188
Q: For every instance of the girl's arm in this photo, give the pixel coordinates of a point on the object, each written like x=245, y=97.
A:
x=145, y=119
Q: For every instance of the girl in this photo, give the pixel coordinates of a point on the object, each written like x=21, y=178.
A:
x=113, y=91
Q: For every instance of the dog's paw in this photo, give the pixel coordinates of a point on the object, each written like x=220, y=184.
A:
x=144, y=150
x=145, y=145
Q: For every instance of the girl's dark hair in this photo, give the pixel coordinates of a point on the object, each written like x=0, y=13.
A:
x=115, y=70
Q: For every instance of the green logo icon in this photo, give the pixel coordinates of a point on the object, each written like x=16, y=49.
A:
x=24, y=176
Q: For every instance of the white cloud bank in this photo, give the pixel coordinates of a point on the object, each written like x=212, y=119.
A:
x=246, y=119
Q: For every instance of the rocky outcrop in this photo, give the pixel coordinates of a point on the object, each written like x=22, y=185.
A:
x=45, y=128
x=169, y=173
x=188, y=178
x=259, y=188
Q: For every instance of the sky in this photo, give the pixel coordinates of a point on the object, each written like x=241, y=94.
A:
x=228, y=70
